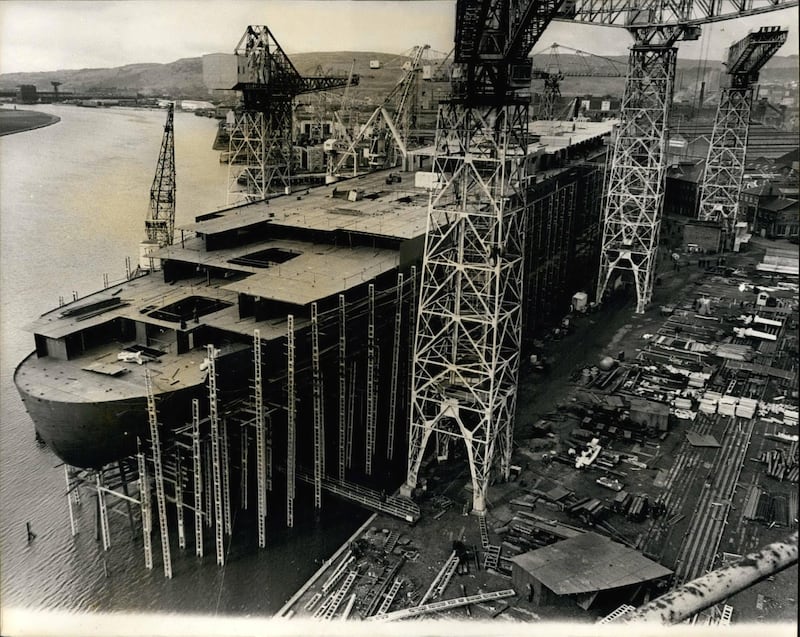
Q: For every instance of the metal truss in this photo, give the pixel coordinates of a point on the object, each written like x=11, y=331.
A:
x=724, y=170
x=635, y=193
x=260, y=153
x=160, y=222
x=469, y=322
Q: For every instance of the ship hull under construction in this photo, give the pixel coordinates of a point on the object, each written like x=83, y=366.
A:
x=343, y=253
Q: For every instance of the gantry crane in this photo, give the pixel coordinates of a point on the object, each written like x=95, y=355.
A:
x=469, y=321
x=386, y=132
x=550, y=67
x=724, y=169
x=160, y=222
x=260, y=148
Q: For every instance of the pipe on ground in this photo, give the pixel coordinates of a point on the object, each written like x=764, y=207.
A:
x=718, y=585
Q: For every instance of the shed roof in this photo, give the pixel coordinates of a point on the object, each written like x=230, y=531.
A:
x=586, y=563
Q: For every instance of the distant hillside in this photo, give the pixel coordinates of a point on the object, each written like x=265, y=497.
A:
x=183, y=78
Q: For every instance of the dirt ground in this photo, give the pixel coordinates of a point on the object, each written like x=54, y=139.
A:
x=669, y=468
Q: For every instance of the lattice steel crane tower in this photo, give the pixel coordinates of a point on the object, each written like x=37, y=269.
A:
x=635, y=192
x=469, y=323
x=260, y=148
x=724, y=169
x=160, y=222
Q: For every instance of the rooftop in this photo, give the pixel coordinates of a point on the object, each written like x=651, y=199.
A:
x=587, y=563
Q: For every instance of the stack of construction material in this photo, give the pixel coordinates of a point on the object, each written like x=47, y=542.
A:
x=588, y=510
x=751, y=503
x=638, y=509
x=698, y=379
x=727, y=405
x=735, y=352
x=708, y=402
x=746, y=407
x=779, y=466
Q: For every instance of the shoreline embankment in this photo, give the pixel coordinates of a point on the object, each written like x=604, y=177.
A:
x=19, y=121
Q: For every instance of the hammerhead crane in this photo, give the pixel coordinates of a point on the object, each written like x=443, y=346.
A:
x=469, y=321
x=724, y=169
x=260, y=149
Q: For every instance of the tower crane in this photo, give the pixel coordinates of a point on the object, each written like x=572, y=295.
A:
x=469, y=320
x=160, y=222
x=550, y=67
x=387, y=129
x=260, y=147
x=724, y=169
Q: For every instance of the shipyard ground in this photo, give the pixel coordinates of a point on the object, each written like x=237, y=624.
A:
x=704, y=488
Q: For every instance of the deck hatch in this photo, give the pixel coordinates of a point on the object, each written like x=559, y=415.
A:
x=188, y=309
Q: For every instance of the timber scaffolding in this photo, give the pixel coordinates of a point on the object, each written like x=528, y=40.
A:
x=196, y=476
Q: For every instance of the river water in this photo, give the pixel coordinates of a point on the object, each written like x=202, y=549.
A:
x=73, y=199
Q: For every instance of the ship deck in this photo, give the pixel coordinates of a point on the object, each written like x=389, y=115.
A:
x=396, y=210
x=97, y=376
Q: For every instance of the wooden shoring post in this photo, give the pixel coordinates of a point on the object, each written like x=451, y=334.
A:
x=179, y=499
x=291, y=410
x=258, y=399
x=371, y=425
x=398, y=324
x=103, y=510
x=124, y=482
x=351, y=412
x=73, y=527
x=342, y=387
x=197, y=466
x=244, y=442
x=319, y=422
x=216, y=461
x=225, y=448
x=144, y=503
x=208, y=482
x=158, y=474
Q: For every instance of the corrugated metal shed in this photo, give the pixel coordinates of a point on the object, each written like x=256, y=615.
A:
x=588, y=563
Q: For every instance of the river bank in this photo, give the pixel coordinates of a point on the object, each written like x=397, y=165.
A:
x=18, y=121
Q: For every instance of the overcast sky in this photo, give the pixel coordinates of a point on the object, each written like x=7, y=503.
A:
x=39, y=35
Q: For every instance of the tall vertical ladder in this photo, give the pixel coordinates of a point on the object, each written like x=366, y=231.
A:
x=319, y=422
x=147, y=514
x=197, y=466
x=371, y=396
x=342, y=387
x=398, y=320
x=216, y=461
x=258, y=397
x=155, y=446
x=291, y=410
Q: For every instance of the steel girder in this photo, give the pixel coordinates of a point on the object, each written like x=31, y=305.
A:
x=469, y=321
x=635, y=192
x=260, y=154
x=724, y=169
